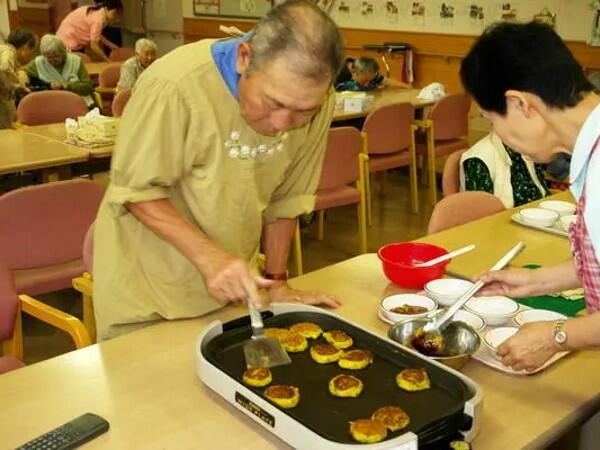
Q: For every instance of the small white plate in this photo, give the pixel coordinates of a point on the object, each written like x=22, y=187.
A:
x=537, y=315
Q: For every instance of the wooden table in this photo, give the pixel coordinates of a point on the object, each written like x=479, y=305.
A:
x=383, y=97
x=57, y=132
x=26, y=151
x=145, y=383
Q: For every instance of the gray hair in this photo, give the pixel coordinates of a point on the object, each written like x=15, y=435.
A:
x=144, y=44
x=595, y=80
x=302, y=32
x=365, y=64
x=52, y=45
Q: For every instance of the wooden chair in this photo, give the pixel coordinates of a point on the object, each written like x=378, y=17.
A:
x=107, y=86
x=40, y=108
x=84, y=57
x=121, y=54
x=85, y=284
x=451, y=175
x=119, y=102
x=342, y=183
x=42, y=233
x=446, y=130
x=11, y=333
x=461, y=208
x=389, y=142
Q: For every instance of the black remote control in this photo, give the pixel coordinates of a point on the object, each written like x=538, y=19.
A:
x=70, y=435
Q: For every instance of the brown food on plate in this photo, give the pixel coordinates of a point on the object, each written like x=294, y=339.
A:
x=367, y=431
x=325, y=353
x=413, y=380
x=345, y=386
x=338, y=339
x=307, y=329
x=392, y=417
x=257, y=377
x=284, y=396
x=294, y=342
x=355, y=359
x=409, y=309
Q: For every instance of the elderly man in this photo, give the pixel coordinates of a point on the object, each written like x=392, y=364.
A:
x=222, y=144
x=145, y=54
x=18, y=50
x=61, y=70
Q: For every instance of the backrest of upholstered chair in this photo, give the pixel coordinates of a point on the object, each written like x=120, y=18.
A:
x=121, y=54
x=119, y=102
x=84, y=57
x=340, y=165
x=88, y=249
x=109, y=77
x=451, y=174
x=45, y=107
x=451, y=116
x=388, y=128
x=46, y=224
x=461, y=208
x=8, y=303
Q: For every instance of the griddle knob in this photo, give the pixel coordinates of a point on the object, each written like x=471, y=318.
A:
x=467, y=423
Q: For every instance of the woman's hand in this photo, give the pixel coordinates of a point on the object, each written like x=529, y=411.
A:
x=530, y=347
x=280, y=291
x=512, y=283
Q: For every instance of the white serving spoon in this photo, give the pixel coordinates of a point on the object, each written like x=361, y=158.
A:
x=439, y=259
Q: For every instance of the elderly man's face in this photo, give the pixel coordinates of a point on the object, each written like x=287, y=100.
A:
x=56, y=59
x=275, y=99
x=146, y=57
x=363, y=78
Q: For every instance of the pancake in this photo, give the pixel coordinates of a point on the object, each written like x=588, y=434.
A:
x=413, y=380
x=345, y=386
x=307, y=329
x=367, y=431
x=294, y=342
x=283, y=396
x=460, y=445
x=277, y=333
x=338, y=339
x=257, y=377
x=355, y=359
x=325, y=353
x=392, y=417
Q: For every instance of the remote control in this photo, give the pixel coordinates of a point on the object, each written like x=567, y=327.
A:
x=70, y=435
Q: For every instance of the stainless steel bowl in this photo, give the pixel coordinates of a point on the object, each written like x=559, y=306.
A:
x=460, y=340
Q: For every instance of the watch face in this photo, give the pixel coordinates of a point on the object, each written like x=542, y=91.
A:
x=560, y=337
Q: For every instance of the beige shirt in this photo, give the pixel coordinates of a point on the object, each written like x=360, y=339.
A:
x=9, y=64
x=182, y=138
x=130, y=72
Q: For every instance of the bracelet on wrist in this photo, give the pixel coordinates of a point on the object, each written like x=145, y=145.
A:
x=281, y=276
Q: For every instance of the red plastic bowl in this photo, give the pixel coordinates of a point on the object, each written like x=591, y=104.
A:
x=398, y=263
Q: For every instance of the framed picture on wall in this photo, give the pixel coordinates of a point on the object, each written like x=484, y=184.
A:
x=245, y=9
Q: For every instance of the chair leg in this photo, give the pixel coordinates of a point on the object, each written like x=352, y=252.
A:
x=321, y=225
x=89, y=320
x=298, y=251
x=369, y=195
x=14, y=346
x=414, y=185
x=431, y=166
x=362, y=208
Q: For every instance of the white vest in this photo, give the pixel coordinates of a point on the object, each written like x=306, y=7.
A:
x=491, y=151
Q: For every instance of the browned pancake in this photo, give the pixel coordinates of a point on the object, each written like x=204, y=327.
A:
x=281, y=391
x=392, y=417
x=307, y=329
x=414, y=375
x=344, y=382
x=257, y=374
x=367, y=431
x=324, y=349
x=358, y=355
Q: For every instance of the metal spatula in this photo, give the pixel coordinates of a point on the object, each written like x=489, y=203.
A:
x=262, y=351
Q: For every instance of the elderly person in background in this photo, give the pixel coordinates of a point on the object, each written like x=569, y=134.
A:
x=16, y=53
x=217, y=153
x=145, y=54
x=366, y=77
x=60, y=69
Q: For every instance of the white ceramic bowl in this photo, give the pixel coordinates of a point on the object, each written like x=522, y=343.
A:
x=496, y=310
x=394, y=301
x=562, y=208
x=493, y=338
x=446, y=291
x=473, y=320
x=537, y=315
x=566, y=221
x=538, y=217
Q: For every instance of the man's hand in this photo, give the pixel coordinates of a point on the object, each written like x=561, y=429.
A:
x=230, y=279
x=530, y=347
x=280, y=291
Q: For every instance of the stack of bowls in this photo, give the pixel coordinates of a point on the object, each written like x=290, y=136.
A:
x=561, y=208
x=446, y=291
x=495, y=310
x=539, y=217
x=537, y=315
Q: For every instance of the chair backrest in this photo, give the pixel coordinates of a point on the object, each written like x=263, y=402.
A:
x=341, y=163
x=461, y=208
x=109, y=77
x=45, y=225
x=119, y=102
x=88, y=249
x=451, y=116
x=39, y=108
x=121, y=54
x=8, y=303
x=451, y=175
x=388, y=128
x=84, y=57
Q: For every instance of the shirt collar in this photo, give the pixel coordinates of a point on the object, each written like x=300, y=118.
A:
x=224, y=53
x=583, y=145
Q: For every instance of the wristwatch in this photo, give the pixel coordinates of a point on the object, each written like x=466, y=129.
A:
x=560, y=335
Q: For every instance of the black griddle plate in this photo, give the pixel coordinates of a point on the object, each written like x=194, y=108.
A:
x=435, y=414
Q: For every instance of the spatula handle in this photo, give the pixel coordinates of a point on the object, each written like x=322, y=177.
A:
x=255, y=319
